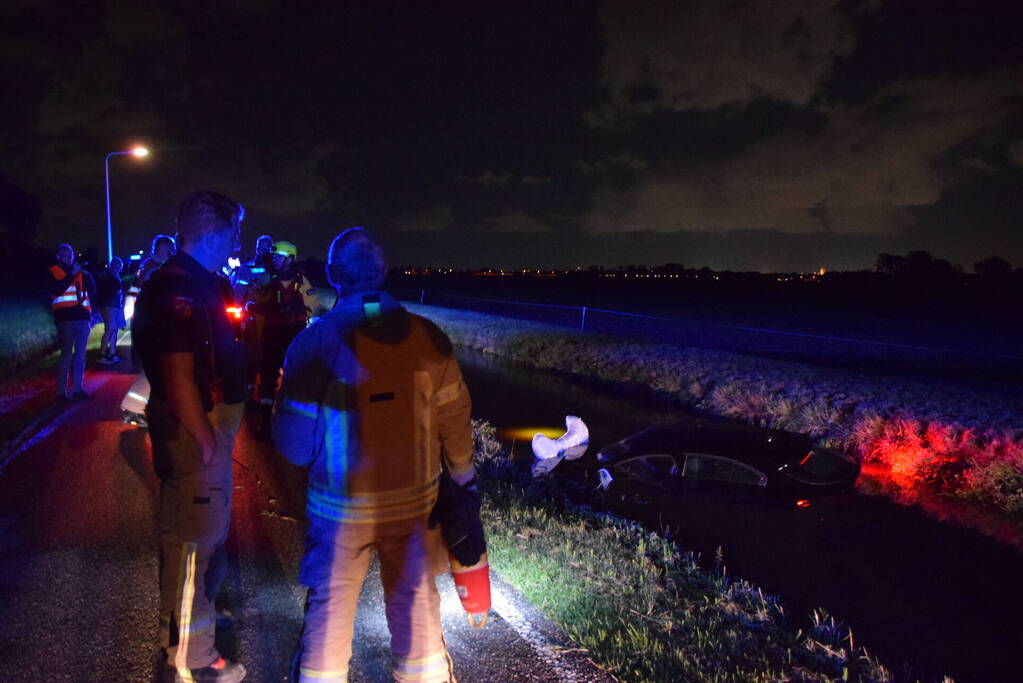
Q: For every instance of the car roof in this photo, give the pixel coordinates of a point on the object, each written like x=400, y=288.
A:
x=766, y=449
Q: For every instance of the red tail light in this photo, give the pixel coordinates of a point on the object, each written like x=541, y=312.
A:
x=236, y=312
x=802, y=503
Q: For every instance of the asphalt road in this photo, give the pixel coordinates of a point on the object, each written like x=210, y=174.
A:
x=78, y=565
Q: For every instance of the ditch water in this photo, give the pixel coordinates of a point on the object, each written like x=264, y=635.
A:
x=928, y=597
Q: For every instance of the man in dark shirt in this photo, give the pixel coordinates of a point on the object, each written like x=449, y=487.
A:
x=110, y=301
x=71, y=289
x=196, y=369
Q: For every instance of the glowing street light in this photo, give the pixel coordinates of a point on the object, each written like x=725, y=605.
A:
x=138, y=151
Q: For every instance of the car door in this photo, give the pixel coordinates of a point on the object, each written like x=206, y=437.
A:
x=721, y=478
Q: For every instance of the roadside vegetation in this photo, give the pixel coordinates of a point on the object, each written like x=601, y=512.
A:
x=27, y=333
x=955, y=451
x=28, y=361
x=639, y=604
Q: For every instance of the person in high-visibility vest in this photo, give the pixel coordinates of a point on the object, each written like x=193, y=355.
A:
x=372, y=396
x=71, y=289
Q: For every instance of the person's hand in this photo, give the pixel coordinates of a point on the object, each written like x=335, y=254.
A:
x=206, y=451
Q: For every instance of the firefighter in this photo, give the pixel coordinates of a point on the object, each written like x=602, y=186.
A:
x=249, y=282
x=372, y=396
x=71, y=289
x=196, y=369
x=289, y=300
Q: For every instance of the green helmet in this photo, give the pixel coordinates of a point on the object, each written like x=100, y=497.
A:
x=286, y=249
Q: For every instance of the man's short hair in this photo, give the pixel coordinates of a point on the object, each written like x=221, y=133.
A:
x=119, y=261
x=204, y=211
x=355, y=263
x=264, y=237
x=64, y=246
x=161, y=239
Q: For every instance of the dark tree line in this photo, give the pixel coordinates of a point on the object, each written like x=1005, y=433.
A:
x=921, y=264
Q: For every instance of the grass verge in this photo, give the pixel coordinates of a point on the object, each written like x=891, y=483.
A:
x=29, y=388
x=27, y=334
x=638, y=603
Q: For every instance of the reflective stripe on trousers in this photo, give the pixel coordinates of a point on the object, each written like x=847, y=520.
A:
x=195, y=513
x=338, y=556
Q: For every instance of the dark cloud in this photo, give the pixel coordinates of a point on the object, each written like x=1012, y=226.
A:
x=466, y=132
x=664, y=54
x=749, y=120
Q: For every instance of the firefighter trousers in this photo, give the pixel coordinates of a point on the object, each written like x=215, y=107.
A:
x=195, y=513
x=337, y=557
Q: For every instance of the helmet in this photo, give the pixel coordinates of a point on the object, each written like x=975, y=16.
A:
x=285, y=249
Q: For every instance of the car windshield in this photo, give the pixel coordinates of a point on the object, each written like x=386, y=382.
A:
x=821, y=466
x=700, y=466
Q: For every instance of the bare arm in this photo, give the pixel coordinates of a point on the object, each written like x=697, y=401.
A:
x=184, y=400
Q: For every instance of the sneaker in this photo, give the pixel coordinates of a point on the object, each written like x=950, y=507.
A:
x=105, y=360
x=115, y=358
x=220, y=671
x=80, y=396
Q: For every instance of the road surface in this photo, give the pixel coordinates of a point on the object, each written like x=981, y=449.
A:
x=78, y=565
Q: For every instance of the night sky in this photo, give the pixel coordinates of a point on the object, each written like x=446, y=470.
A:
x=776, y=135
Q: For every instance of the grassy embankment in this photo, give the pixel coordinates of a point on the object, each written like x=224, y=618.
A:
x=27, y=334
x=640, y=605
x=28, y=359
x=940, y=446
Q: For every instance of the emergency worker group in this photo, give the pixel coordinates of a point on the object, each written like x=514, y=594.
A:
x=367, y=396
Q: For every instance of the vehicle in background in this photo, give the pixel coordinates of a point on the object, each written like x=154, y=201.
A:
x=727, y=461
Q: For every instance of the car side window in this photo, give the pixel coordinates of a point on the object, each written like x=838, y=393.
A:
x=715, y=468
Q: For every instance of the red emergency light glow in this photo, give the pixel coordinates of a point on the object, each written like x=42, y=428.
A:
x=802, y=503
x=236, y=312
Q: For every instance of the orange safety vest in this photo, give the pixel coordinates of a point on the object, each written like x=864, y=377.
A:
x=75, y=293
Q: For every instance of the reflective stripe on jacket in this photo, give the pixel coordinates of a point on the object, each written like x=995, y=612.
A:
x=371, y=396
x=74, y=295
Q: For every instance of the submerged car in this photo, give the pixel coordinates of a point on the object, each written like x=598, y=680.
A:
x=727, y=461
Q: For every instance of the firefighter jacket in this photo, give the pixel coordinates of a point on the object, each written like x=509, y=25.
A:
x=372, y=396
x=71, y=294
x=288, y=300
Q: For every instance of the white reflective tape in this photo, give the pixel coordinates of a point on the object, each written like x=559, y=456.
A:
x=185, y=608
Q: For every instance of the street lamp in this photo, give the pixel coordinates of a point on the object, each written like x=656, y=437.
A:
x=137, y=151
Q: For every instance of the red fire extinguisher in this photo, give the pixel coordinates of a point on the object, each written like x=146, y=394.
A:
x=473, y=586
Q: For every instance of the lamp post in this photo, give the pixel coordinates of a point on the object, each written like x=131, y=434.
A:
x=137, y=151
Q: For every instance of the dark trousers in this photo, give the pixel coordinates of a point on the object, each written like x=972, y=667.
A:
x=72, y=335
x=275, y=342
